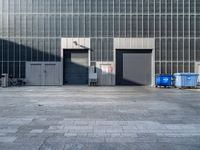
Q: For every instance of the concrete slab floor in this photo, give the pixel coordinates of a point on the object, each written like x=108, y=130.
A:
x=99, y=118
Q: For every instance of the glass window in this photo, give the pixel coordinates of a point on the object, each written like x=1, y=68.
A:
x=11, y=25
x=163, y=6
x=75, y=26
x=23, y=6
x=23, y=25
x=163, y=49
x=180, y=49
x=169, y=6
x=175, y=5
x=140, y=6
x=151, y=26
x=192, y=45
x=157, y=6
x=4, y=25
x=35, y=26
x=110, y=25
x=198, y=26
x=46, y=25
x=52, y=25
x=93, y=5
x=198, y=49
x=169, y=28
x=81, y=25
x=122, y=6
x=134, y=25
x=63, y=6
x=175, y=26
x=128, y=6
x=64, y=25
x=29, y=25
x=105, y=6
x=134, y=6
x=116, y=26
x=28, y=49
x=87, y=25
x=180, y=6
x=23, y=50
x=41, y=25
x=180, y=25
x=105, y=25
x=192, y=26
x=186, y=49
x=169, y=47
x=116, y=6
x=151, y=6
x=186, y=25
x=128, y=26
x=145, y=26
x=140, y=26
x=122, y=25
x=99, y=25
x=17, y=25
x=5, y=5
x=163, y=28
x=69, y=5
x=87, y=6
x=93, y=26
x=99, y=6
x=174, y=48
x=110, y=5
x=157, y=26
x=197, y=6
x=192, y=6
x=58, y=25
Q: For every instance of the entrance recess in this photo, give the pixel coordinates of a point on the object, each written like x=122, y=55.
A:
x=133, y=67
x=75, y=66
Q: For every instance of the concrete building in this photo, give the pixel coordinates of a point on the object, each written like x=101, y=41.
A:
x=54, y=42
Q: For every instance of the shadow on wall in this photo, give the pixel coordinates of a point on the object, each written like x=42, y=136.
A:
x=13, y=55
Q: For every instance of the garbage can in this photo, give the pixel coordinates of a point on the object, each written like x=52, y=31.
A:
x=164, y=80
x=186, y=80
x=4, y=80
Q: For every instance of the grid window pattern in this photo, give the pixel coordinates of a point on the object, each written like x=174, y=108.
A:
x=31, y=30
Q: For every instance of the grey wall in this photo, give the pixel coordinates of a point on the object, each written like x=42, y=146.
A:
x=31, y=30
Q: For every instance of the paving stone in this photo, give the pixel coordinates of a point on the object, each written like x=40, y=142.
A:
x=99, y=118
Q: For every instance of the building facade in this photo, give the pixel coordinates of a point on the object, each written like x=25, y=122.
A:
x=38, y=30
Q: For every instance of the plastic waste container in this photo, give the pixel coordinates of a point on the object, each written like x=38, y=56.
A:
x=164, y=80
x=186, y=80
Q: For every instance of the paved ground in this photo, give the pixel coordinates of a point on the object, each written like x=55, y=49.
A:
x=99, y=118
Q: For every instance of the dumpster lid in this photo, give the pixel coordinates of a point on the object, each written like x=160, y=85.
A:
x=186, y=74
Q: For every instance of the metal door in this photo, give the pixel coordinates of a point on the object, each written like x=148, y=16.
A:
x=133, y=67
x=35, y=74
x=76, y=67
x=50, y=74
x=43, y=73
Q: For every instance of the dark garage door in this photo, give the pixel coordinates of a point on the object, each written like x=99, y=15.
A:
x=75, y=67
x=133, y=67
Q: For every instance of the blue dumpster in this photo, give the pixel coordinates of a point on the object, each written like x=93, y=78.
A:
x=164, y=80
x=186, y=80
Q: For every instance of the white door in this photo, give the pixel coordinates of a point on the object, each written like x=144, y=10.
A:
x=35, y=74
